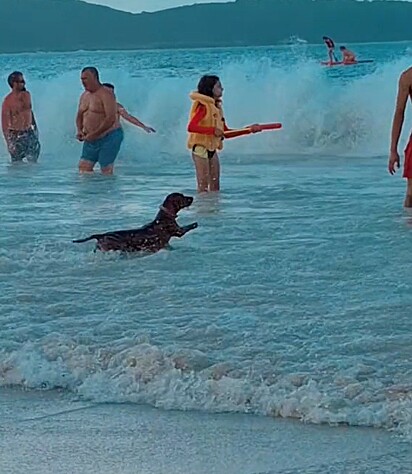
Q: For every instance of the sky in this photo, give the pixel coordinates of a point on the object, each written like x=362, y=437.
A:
x=137, y=6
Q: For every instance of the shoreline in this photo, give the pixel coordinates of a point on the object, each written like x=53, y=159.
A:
x=46, y=432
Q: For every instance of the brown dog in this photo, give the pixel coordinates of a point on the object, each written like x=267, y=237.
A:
x=152, y=237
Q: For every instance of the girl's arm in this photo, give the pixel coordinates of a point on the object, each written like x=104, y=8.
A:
x=194, y=126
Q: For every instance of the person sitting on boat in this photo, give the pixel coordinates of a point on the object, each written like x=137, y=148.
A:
x=348, y=57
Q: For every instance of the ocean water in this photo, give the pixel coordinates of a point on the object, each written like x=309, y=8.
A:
x=292, y=298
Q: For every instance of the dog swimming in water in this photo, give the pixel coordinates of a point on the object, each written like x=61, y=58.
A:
x=153, y=236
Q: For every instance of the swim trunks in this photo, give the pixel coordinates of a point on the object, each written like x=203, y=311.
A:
x=407, y=166
x=200, y=150
x=24, y=144
x=105, y=149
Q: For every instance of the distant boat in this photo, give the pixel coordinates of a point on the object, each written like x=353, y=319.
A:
x=294, y=40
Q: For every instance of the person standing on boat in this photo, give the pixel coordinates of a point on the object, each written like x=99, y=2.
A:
x=331, y=48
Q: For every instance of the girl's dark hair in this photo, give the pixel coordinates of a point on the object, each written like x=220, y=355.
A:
x=107, y=84
x=206, y=85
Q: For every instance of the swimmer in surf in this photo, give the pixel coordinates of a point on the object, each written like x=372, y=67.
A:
x=97, y=124
x=206, y=132
x=18, y=122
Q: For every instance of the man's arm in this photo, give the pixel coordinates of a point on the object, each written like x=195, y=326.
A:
x=33, y=121
x=30, y=107
x=79, y=117
x=398, y=119
x=399, y=115
x=110, y=113
x=133, y=120
x=5, y=120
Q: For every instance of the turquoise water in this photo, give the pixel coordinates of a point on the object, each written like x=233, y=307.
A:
x=293, y=296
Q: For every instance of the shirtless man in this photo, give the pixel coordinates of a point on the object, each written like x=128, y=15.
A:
x=18, y=123
x=122, y=112
x=97, y=124
x=404, y=92
x=348, y=57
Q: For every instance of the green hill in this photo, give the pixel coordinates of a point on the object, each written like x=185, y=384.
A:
x=67, y=25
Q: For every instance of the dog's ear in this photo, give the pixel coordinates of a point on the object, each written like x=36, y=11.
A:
x=169, y=200
x=174, y=202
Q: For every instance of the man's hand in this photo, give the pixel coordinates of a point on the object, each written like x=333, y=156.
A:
x=219, y=132
x=80, y=136
x=394, y=162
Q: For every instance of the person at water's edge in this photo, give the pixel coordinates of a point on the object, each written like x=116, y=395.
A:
x=404, y=92
x=98, y=125
x=18, y=122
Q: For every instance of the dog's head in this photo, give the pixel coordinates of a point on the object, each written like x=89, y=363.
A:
x=176, y=201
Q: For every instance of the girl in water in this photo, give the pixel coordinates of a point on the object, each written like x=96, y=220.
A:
x=206, y=132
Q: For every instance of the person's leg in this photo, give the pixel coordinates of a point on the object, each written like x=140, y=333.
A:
x=202, y=172
x=109, y=150
x=33, y=147
x=214, y=172
x=408, y=197
x=407, y=173
x=16, y=147
x=107, y=170
x=86, y=166
x=89, y=157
